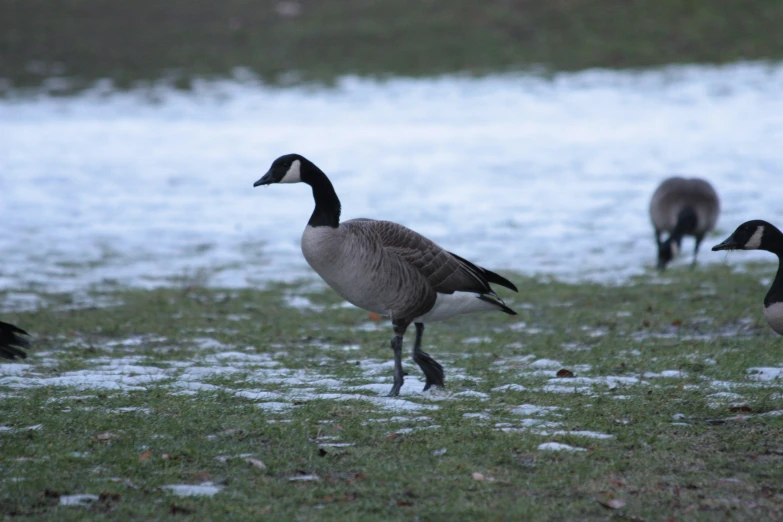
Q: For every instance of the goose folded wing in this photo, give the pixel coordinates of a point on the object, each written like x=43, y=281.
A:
x=445, y=272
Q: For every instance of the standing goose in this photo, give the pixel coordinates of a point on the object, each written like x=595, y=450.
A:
x=12, y=341
x=760, y=235
x=682, y=207
x=387, y=268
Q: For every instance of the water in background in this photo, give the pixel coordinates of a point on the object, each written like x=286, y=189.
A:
x=545, y=176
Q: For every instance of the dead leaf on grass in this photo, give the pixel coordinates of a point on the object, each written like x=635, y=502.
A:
x=404, y=503
x=742, y=407
x=564, y=373
x=180, y=510
x=105, y=436
x=146, y=455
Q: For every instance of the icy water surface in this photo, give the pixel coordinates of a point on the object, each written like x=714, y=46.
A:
x=548, y=176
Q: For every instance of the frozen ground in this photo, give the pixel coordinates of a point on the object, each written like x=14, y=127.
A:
x=278, y=390
x=538, y=175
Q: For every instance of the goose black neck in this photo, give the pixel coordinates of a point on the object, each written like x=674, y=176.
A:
x=773, y=240
x=327, y=205
x=686, y=224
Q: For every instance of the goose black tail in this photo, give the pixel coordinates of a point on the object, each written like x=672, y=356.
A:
x=12, y=340
x=490, y=276
x=497, y=302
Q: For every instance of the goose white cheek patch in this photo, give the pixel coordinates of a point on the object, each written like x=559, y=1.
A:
x=755, y=240
x=293, y=175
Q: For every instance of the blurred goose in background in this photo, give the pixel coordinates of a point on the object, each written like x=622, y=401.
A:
x=386, y=268
x=12, y=340
x=760, y=235
x=682, y=207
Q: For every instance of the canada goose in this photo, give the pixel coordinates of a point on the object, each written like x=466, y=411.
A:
x=387, y=268
x=760, y=235
x=12, y=341
x=682, y=207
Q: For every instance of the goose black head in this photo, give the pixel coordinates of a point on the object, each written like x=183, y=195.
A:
x=285, y=169
x=667, y=250
x=748, y=236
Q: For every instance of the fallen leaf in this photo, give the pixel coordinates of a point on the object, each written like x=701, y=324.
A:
x=392, y=436
x=146, y=455
x=202, y=476
x=564, y=373
x=104, y=436
x=374, y=316
x=614, y=503
x=404, y=503
x=255, y=463
x=743, y=407
x=478, y=476
x=677, y=322
x=180, y=510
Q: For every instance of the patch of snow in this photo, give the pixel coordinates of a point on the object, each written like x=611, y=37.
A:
x=205, y=489
x=78, y=500
x=556, y=446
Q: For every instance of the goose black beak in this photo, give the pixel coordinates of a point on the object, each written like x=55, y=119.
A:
x=268, y=179
x=729, y=244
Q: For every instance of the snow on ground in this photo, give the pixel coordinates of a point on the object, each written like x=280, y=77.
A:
x=516, y=172
x=278, y=390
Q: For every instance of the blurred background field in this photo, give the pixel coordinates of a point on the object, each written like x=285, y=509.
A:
x=182, y=346
x=285, y=41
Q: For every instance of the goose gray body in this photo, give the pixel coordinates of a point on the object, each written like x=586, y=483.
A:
x=682, y=207
x=760, y=235
x=387, y=268
x=391, y=270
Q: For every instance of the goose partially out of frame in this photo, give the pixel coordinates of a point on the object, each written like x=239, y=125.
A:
x=12, y=340
x=386, y=268
x=761, y=235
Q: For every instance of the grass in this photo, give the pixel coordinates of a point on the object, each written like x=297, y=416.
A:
x=182, y=385
x=147, y=40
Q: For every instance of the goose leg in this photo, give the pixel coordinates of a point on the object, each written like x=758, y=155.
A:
x=696, y=250
x=433, y=371
x=396, y=346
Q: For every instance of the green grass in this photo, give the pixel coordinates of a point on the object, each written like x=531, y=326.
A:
x=676, y=449
x=128, y=42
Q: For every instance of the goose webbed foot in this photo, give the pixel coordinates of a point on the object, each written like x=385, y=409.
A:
x=431, y=368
